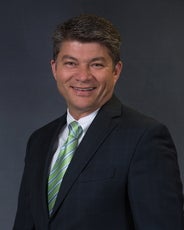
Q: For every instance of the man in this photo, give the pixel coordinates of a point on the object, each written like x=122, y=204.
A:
x=120, y=170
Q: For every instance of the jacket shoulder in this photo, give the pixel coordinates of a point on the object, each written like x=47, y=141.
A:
x=138, y=119
x=48, y=129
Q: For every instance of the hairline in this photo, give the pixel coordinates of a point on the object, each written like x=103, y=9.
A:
x=69, y=39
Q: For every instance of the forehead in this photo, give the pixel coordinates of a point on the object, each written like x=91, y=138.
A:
x=84, y=49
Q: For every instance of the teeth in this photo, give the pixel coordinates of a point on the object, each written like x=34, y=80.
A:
x=83, y=89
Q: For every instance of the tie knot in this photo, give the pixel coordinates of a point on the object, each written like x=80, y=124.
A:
x=75, y=129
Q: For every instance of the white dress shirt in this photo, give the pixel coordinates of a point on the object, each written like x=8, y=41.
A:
x=84, y=122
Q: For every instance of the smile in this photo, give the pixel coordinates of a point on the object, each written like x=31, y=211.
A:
x=83, y=89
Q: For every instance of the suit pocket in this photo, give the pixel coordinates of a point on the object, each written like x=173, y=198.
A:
x=97, y=174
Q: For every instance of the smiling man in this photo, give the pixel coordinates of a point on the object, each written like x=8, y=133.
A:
x=101, y=165
x=85, y=76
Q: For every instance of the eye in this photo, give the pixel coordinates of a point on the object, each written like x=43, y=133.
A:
x=97, y=65
x=70, y=64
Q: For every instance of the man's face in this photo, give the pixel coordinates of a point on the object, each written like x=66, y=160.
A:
x=85, y=76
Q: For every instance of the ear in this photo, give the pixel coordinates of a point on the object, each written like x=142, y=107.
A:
x=117, y=70
x=53, y=67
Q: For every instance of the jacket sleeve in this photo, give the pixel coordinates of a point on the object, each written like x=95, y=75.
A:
x=154, y=185
x=23, y=219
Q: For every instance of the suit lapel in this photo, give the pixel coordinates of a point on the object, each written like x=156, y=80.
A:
x=52, y=142
x=101, y=127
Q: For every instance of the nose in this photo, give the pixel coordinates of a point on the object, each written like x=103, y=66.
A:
x=83, y=73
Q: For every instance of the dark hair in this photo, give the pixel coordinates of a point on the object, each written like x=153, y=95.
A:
x=88, y=28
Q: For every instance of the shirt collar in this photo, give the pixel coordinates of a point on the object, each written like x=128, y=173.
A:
x=84, y=122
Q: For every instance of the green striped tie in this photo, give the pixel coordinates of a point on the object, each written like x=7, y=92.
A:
x=62, y=162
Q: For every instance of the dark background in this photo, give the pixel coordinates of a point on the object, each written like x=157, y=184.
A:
x=152, y=80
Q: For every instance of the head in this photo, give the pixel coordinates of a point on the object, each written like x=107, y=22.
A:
x=88, y=28
x=86, y=62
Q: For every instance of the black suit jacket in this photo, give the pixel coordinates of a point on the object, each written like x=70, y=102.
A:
x=124, y=175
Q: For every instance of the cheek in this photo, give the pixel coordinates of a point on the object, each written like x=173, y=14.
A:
x=111, y=82
x=61, y=77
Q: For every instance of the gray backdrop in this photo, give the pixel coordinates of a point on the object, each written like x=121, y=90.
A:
x=152, y=80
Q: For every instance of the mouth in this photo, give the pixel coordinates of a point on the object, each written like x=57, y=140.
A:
x=83, y=89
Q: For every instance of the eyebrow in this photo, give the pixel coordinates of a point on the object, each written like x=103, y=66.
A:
x=98, y=59
x=75, y=59
x=68, y=57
